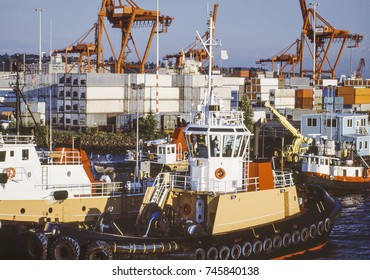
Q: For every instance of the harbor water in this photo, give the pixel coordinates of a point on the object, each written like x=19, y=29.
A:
x=350, y=238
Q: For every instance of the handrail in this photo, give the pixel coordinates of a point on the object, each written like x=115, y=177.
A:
x=281, y=180
x=16, y=139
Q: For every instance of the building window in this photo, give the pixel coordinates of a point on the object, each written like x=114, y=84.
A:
x=331, y=123
x=349, y=123
x=311, y=122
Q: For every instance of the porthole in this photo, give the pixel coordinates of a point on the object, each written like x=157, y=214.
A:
x=50, y=210
x=83, y=208
x=23, y=210
x=29, y=174
x=69, y=173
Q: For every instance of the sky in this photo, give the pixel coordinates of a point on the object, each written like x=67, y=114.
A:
x=248, y=30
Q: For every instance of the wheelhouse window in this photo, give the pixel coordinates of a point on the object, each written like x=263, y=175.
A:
x=25, y=154
x=198, y=145
x=228, y=145
x=238, y=142
x=2, y=156
x=215, y=141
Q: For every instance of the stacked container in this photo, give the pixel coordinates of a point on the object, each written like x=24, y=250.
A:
x=304, y=99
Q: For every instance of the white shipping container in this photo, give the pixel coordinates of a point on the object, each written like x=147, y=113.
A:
x=283, y=101
x=265, y=82
x=233, y=81
x=283, y=92
x=150, y=80
x=364, y=107
x=195, y=80
x=164, y=106
x=163, y=93
x=193, y=93
x=222, y=93
x=328, y=82
x=104, y=106
x=104, y=93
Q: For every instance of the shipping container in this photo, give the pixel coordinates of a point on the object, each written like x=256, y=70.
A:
x=304, y=93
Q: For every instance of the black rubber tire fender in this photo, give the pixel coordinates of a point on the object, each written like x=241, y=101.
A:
x=98, y=250
x=65, y=248
x=34, y=245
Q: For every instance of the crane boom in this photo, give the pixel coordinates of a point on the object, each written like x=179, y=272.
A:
x=283, y=120
x=294, y=149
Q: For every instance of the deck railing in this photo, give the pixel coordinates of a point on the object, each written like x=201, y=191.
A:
x=16, y=139
x=281, y=180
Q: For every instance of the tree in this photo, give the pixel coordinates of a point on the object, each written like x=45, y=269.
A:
x=148, y=127
x=246, y=107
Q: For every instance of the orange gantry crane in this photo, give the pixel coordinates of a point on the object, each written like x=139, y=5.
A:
x=125, y=18
x=86, y=53
x=198, y=54
x=320, y=32
x=287, y=61
x=324, y=35
x=360, y=67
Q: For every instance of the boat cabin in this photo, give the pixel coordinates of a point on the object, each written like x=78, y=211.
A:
x=217, y=150
x=330, y=166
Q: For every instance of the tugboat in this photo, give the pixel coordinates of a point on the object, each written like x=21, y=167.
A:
x=227, y=207
x=335, y=174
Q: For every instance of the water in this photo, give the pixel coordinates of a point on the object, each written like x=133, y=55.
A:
x=350, y=238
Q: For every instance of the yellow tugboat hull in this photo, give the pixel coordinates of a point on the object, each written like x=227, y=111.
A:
x=86, y=209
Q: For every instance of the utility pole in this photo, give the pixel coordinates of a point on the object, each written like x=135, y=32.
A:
x=40, y=10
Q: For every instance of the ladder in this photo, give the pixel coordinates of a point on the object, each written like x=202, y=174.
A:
x=160, y=191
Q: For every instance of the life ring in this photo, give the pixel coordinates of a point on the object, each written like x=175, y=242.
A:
x=10, y=172
x=186, y=209
x=327, y=225
x=247, y=249
x=277, y=241
x=34, y=245
x=304, y=234
x=200, y=254
x=212, y=253
x=98, y=250
x=65, y=248
x=320, y=228
x=257, y=247
x=267, y=245
x=220, y=173
x=296, y=237
x=236, y=251
x=224, y=253
x=287, y=240
x=313, y=231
